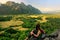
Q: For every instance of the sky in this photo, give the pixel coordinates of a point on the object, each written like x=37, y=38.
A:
x=42, y=5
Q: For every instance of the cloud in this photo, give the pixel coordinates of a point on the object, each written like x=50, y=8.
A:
x=4, y=1
x=40, y=5
x=43, y=9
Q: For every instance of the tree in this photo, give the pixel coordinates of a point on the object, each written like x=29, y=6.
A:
x=15, y=8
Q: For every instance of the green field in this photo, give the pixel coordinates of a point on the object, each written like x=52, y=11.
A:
x=17, y=27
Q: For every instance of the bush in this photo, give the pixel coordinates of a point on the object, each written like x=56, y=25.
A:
x=6, y=18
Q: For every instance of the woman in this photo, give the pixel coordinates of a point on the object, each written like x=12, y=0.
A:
x=34, y=34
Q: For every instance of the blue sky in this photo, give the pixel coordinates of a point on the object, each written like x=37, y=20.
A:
x=43, y=5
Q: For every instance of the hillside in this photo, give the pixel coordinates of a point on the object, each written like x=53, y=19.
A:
x=17, y=27
x=16, y=8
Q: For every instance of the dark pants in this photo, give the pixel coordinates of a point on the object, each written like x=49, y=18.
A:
x=33, y=38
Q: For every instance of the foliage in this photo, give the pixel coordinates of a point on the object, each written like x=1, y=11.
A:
x=12, y=34
x=6, y=18
x=15, y=8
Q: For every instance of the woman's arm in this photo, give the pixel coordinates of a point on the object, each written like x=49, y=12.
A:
x=26, y=38
x=30, y=34
x=43, y=31
x=36, y=35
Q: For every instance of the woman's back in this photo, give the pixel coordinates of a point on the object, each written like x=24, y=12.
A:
x=36, y=33
x=33, y=37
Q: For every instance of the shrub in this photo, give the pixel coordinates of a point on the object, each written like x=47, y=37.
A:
x=6, y=18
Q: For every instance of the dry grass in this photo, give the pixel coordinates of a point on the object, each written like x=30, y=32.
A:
x=20, y=28
x=9, y=23
x=43, y=19
x=18, y=22
x=1, y=32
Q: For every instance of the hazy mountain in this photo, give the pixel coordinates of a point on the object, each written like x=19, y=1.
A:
x=16, y=8
x=53, y=12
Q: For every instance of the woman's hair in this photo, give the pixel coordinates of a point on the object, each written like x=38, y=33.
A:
x=38, y=27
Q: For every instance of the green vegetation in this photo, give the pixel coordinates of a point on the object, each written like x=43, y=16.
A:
x=16, y=8
x=10, y=33
x=6, y=18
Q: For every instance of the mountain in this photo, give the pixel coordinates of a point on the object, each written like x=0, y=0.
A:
x=16, y=8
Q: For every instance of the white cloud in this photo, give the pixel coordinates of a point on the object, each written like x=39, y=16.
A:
x=4, y=1
x=48, y=9
x=45, y=9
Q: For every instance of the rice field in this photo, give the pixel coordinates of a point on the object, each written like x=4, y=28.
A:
x=21, y=25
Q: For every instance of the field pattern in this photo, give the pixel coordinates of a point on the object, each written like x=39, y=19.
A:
x=17, y=27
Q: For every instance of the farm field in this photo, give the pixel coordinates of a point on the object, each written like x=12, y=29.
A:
x=17, y=27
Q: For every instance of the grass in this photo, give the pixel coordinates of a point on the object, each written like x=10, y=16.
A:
x=24, y=23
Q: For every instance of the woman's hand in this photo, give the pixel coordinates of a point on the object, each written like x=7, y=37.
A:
x=36, y=35
x=31, y=33
x=26, y=38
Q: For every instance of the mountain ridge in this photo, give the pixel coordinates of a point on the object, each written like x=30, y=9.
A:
x=16, y=8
